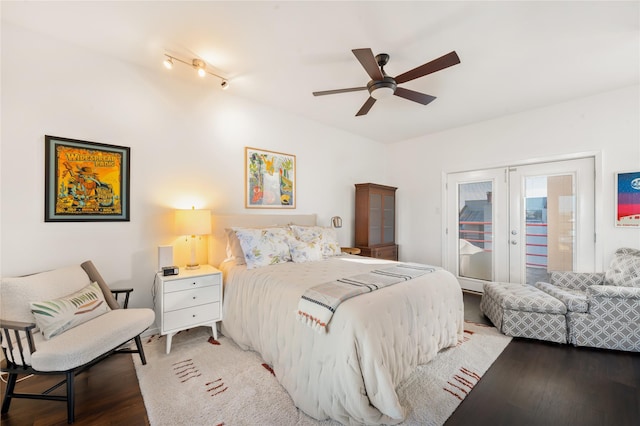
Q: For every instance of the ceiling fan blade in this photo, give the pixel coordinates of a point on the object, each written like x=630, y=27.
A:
x=367, y=106
x=333, y=92
x=414, y=96
x=368, y=61
x=442, y=62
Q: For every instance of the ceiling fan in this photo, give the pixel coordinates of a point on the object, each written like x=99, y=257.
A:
x=382, y=85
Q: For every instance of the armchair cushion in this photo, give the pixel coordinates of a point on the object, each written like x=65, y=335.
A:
x=624, y=269
x=574, y=300
x=19, y=292
x=87, y=341
x=55, y=316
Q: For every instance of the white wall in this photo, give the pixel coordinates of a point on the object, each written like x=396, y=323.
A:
x=187, y=144
x=607, y=123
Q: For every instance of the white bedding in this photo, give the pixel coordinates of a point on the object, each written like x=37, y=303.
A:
x=374, y=341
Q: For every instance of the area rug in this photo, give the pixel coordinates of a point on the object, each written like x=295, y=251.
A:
x=203, y=381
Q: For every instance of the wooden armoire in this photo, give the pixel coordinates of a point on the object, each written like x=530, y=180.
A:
x=376, y=221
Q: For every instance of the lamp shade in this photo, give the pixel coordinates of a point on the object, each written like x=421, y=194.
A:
x=193, y=222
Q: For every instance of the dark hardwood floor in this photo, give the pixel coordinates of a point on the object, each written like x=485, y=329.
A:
x=531, y=383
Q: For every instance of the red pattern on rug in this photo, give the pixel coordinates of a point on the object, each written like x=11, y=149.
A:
x=185, y=370
x=213, y=341
x=269, y=369
x=461, y=383
x=216, y=388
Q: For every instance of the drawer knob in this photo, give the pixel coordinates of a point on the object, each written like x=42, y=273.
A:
x=194, y=297
x=194, y=283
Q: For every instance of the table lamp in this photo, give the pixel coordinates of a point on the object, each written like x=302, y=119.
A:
x=194, y=223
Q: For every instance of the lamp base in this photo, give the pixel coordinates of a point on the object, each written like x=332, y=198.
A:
x=193, y=266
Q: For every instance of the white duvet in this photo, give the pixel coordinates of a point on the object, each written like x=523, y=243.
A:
x=373, y=342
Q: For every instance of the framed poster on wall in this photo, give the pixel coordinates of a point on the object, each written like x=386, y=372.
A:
x=270, y=179
x=628, y=199
x=85, y=181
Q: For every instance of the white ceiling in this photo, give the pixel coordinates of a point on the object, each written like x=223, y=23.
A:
x=514, y=55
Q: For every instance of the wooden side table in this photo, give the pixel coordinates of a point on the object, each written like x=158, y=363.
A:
x=190, y=299
x=350, y=250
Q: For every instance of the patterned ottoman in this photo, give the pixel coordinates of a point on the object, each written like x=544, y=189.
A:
x=524, y=311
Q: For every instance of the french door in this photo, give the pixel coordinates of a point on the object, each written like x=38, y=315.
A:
x=518, y=223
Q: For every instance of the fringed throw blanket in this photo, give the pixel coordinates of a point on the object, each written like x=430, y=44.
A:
x=318, y=303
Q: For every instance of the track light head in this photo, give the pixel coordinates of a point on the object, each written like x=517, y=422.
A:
x=168, y=62
x=224, y=84
x=199, y=65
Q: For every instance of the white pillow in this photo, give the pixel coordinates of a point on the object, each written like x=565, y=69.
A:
x=305, y=251
x=266, y=246
x=234, y=249
x=55, y=316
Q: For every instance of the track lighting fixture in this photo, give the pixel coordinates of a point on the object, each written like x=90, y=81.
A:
x=199, y=65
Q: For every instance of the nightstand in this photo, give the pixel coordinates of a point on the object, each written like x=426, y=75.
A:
x=190, y=299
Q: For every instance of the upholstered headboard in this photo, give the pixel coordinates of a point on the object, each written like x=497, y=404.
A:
x=218, y=240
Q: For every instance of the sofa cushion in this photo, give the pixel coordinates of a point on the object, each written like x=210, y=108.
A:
x=624, y=269
x=574, y=300
x=58, y=315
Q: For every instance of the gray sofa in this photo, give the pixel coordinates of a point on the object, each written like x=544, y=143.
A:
x=602, y=309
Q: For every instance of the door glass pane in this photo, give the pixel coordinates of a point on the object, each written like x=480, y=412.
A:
x=475, y=230
x=550, y=225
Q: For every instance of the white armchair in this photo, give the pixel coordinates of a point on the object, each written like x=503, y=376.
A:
x=62, y=322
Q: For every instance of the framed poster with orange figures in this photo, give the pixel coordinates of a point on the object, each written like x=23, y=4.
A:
x=270, y=179
x=85, y=181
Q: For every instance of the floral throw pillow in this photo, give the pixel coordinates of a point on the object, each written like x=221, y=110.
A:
x=263, y=247
x=327, y=238
x=305, y=251
x=53, y=317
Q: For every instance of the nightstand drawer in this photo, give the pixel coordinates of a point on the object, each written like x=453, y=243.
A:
x=194, y=282
x=183, y=318
x=192, y=297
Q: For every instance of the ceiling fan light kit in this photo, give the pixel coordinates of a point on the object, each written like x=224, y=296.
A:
x=382, y=89
x=383, y=86
x=199, y=65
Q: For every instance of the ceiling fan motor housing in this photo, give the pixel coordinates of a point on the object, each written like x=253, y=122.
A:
x=382, y=88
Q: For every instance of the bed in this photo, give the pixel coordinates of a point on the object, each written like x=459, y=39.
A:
x=349, y=371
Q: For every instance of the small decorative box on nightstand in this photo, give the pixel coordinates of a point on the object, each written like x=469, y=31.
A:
x=190, y=299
